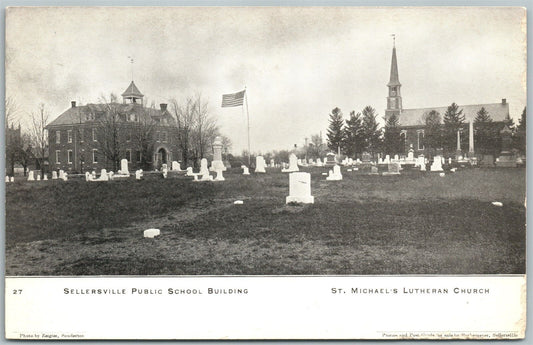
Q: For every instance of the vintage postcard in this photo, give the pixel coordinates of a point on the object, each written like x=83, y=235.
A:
x=265, y=173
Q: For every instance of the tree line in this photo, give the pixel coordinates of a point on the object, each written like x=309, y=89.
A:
x=361, y=133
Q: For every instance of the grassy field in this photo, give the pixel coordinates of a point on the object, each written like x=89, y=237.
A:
x=416, y=223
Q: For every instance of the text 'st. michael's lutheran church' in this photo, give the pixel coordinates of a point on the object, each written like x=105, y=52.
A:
x=412, y=121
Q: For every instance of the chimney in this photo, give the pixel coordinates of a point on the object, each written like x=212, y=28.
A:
x=73, y=104
x=163, y=106
x=504, y=101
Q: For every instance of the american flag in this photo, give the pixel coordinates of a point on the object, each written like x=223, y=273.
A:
x=233, y=99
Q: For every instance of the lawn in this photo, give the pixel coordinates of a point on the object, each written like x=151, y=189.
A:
x=415, y=223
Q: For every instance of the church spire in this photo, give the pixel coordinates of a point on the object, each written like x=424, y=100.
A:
x=394, y=80
x=394, y=99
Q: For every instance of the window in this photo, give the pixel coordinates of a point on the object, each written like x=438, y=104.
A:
x=138, y=154
x=164, y=136
x=58, y=137
x=94, y=134
x=128, y=155
x=69, y=156
x=128, y=135
x=69, y=135
x=158, y=136
x=95, y=156
x=58, y=153
x=420, y=139
x=81, y=135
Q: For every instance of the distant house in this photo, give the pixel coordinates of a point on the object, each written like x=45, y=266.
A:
x=82, y=137
x=412, y=121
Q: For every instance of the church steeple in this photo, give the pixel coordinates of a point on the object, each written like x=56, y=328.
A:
x=394, y=99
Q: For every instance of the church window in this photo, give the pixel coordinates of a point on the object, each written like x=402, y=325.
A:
x=58, y=137
x=94, y=134
x=58, y=153
x=69, y=136
x=420, y=139
x=128, y=135
x=95, y=156
x=70, y=156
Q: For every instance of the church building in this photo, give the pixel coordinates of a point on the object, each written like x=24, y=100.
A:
x=412, y=121
x=84, y=137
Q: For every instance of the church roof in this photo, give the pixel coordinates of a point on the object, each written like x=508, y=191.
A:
x=132, y=91
x=394, y=79
x=415, y=117
x=89, y=112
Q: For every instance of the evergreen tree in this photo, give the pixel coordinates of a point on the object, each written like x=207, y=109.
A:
x=433, y=131
x=519, y=142
x=353, y=135
x=453, y=121
x=486, y=136
x=371, y=133
x=335, y=130
x=392, y=141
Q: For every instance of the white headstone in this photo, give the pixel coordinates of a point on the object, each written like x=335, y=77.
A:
x=437, y=164
x=103, y=175
x=110, y=175
x=272, y=163
x=54, y=175
x=189, y=171
x=7, y=179
x=12, y=179
x=245, y=170
x=38, y=177
x=176, y=166
x=45, y=177
x=293, y=164
x=335, y=174
x=387, y=159
x=94, y=175
x=219, y=176
x=260, y=164
x=151, y=233
x=165, y=171
x=138, y=174
x=124, y=167
x=30, y=176
x=88, y=176
x=204, y=171
x=396, y=158
x=319, y=162
x=65, y=176
x=449, y=160
x=300, y=188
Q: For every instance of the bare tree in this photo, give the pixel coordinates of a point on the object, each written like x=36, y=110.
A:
x=205, y=128
x=12, y=112
x=184, y=115
x=109, y=138
x=12, y=135
x=39, y=134
x=142, y=136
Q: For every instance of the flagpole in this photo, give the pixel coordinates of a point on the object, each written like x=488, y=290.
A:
x=248, y=118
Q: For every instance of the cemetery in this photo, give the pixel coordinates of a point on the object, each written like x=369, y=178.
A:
x=393, y=215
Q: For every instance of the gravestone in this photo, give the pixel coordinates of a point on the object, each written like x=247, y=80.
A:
x=387, y=159
x=176, y=166
x=189, y=171
x=12, y=179
x=111, y=174
x=396, y=158
x=204, y=171
x=411, y=154
x=138, y=174
x=330, y=160
x=437, y=164
x=366, y=157
x=54, y=175
x=164, y=166
x=300, y=188
x=124, y=167
x=64, y=176
x=293, y=164
x=245, y=170
x=38, y=177
x=319, y=162
x=219, y=176
x=45, y=178
x=30, y=176
x=88, y=176
x=335, y=174
x=151, y=233
x=217, y=163
x=450, y=159
x=165, y=171
x=374, y=170
x=393, y=169
x=272, y=163
x=7, y=179
x=506, y=158
x=260, y=164
x=103, y=176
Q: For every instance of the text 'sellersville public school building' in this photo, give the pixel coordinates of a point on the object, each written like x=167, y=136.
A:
x=78, y=138
x=412, y=121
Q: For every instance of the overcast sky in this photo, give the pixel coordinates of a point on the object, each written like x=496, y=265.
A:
x=296, y=63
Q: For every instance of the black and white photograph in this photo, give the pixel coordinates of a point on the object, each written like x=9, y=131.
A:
x=219, y=144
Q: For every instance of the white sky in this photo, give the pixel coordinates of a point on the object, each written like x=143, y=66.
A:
x=297, y=63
